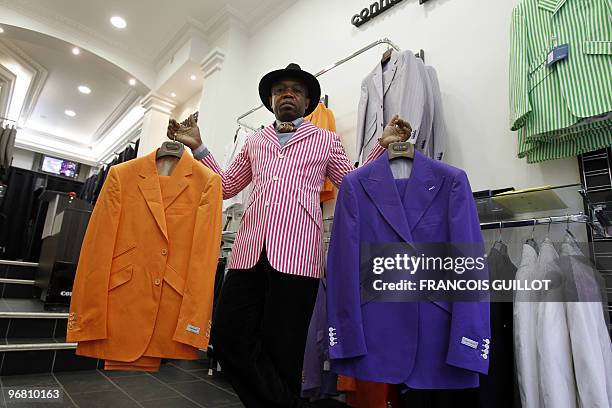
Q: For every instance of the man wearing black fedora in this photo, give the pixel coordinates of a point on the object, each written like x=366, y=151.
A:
x=262, y=316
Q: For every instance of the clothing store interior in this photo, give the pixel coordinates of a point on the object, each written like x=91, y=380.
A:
x=205, y=203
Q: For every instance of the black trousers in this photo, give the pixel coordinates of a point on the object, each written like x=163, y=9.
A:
x=259, y=333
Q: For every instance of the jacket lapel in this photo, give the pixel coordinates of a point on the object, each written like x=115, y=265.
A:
x=149, y=188
x=269, y=133
x=551, y=5
x=305, y=130
x=386, y=199
x=389, y=74
x=423, y=186
x=179, y=174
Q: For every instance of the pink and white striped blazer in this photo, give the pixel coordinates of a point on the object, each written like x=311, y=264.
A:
x=283, y=210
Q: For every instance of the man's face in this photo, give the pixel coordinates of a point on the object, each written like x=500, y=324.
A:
x=289, y=99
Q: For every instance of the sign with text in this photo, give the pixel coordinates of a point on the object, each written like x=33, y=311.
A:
x=375, y=9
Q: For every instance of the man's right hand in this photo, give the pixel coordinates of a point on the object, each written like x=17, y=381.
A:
x=189, y=134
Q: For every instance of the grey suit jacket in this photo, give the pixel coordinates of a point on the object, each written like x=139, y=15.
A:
x=10, y=146
x=435, y=145
x=402, y=88
x=4, y=138
x=590, y=340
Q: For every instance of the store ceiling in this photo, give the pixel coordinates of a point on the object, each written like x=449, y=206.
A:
x=152, y=29
x=66, y=72
x=151, y=24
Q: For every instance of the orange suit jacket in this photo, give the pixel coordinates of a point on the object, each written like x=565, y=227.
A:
x=144, y=282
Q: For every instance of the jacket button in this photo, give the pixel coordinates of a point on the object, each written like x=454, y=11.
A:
x=164, y=251
x=157, y=281
x=281, y=156
x=275, y=178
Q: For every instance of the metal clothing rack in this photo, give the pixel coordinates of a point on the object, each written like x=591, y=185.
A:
x=579, y=218
x=420, y=54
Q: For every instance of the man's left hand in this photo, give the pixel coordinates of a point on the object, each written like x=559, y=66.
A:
x=397, y=130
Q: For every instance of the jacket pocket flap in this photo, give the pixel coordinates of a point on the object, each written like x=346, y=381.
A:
x=444, y=305
x=174, y=279
x=123, y=251
x=597, y=47
x=312, y=211
x=120, y=277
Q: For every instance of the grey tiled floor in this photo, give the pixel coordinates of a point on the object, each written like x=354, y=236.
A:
x=178, y=384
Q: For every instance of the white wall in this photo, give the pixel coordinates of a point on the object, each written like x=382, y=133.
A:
x=23, y=159
x=180, y=113
x=467, y=41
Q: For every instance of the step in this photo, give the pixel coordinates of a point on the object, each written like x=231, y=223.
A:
x=17, y=280
x=32, y=340
x=36, y=345
x=18, y=263
x=35, y=356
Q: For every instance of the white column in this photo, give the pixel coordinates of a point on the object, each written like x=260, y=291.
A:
x=213, y=117
x=155, y=122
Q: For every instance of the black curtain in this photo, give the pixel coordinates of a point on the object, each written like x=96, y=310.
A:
x=15, y=212
x=22, y=214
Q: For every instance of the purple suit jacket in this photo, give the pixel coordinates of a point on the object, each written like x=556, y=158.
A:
x=420, y=344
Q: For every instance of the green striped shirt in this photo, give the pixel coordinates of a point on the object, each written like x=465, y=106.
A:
x=549, y=104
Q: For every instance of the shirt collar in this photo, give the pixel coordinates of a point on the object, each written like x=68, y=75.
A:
x=296, y=122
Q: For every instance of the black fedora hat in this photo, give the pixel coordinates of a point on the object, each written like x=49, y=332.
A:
x=293, y=71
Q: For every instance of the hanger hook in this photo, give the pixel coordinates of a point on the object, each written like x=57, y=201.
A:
x=500, y=231
x=549, y=224
x=533, y=229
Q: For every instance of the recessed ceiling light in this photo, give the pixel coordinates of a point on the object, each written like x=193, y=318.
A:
x=1, y=30
x=132, y=81
x=84, y=90
x=193, y=77
x=173, y=95
x=70, y=113
x=76, y=51
x=118, y=22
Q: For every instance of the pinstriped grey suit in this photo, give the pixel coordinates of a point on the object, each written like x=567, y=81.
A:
x=7, y=142
x=435, y=145
x=404, y=87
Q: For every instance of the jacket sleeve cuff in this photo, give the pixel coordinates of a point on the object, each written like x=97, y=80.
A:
x=76, y=333
x=469, y=353
x=201, y=152
x=192, y=335
x=348, y=342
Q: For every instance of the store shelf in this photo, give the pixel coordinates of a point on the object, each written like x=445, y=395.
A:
x=541, y=203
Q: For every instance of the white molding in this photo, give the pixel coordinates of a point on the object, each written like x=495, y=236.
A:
x=57, y=138
x=157, y=102
x=61, y=153
x=223, y=19
x=186, y=32
x=129, y=101
x=39, y=77
x=32, y=9
x=212, y=62
x=6, y=93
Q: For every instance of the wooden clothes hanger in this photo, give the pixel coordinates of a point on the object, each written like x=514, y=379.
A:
x=386, y=56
